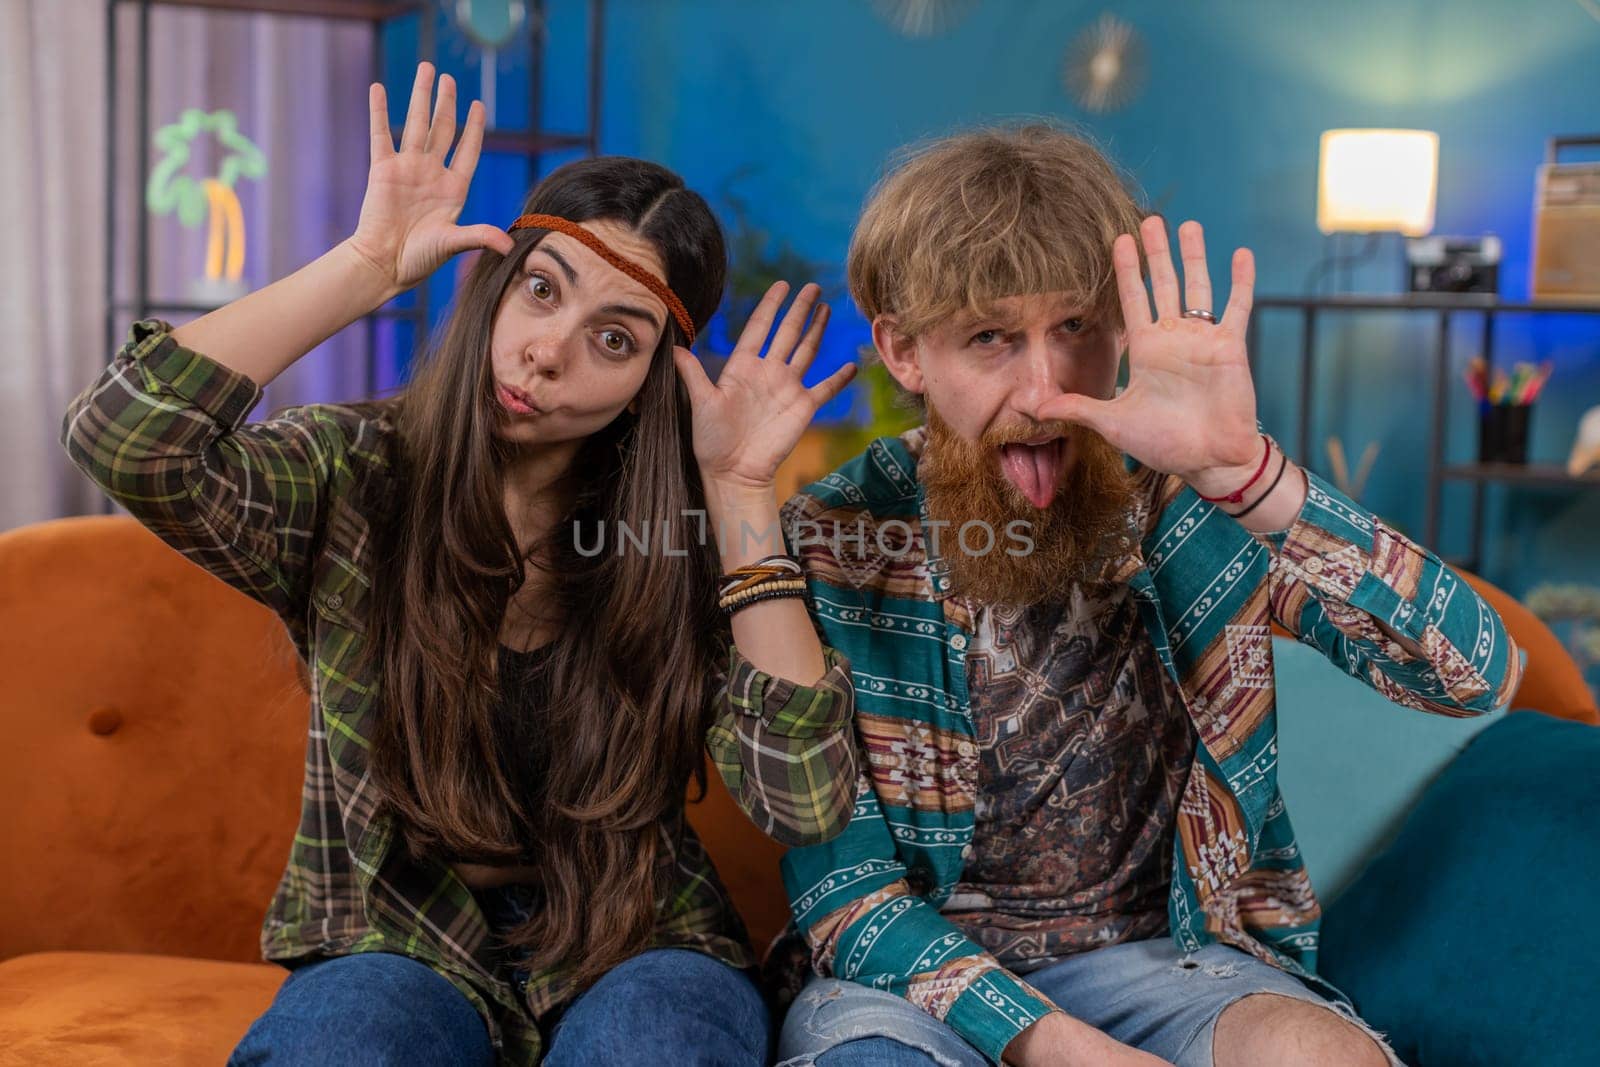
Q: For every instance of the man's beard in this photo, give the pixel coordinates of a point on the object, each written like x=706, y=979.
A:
x=1075, y=538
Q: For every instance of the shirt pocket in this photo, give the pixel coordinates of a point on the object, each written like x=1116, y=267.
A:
x=340, y=602
x=339, y=593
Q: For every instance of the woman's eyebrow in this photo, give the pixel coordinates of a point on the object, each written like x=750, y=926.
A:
x=566, y=268
x=610, y=309
x=635, y=312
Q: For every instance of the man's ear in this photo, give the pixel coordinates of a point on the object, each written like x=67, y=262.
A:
x=899, y=353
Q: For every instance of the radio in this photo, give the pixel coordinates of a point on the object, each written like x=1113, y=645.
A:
x=1566, y=226
x=1454, y=264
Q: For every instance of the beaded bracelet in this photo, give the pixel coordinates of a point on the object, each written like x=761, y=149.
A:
x=770, y=568
x=767, y=591
x=773, y=583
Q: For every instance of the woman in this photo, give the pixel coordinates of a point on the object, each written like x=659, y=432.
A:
x=493, y=862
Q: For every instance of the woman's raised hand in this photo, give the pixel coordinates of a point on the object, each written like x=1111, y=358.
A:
x=407, y=228
x=748, y=422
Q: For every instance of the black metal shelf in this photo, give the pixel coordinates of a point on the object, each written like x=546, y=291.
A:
x=534, y=144
x=351, y=10
x=1430, y=302
x=1540, y=474
x=1445, y=306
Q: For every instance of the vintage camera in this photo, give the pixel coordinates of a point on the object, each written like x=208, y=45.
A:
x=1454, y=264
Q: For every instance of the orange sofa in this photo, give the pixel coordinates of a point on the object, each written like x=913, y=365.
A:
x=156, y=731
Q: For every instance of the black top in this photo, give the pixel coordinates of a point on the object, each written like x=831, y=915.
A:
x=516, y=664
x=519, y=737
x=520, y=748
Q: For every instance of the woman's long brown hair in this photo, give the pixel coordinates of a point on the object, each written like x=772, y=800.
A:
x=629, y=677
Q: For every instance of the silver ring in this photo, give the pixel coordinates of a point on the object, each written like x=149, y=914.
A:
x=1200, y=313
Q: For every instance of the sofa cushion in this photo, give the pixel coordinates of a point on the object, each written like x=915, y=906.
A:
x=1470, y=940
x=85, y=1009
x=155, y=727
x=1351, y=763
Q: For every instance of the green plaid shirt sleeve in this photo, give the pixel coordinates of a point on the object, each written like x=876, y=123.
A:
x=1338, y=568
x=160, y=432
x=786, y=751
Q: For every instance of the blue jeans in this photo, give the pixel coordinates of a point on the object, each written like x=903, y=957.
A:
x=374, y=1009
x=1143, y=993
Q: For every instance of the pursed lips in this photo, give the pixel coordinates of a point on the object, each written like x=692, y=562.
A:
x=517, y=400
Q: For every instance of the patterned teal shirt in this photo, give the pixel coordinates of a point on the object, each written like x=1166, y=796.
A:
x=1207, y=591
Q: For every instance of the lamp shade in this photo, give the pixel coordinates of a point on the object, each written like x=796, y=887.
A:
x=1377, y=180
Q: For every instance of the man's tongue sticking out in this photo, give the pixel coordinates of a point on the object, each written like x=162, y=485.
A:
x=1034, y=469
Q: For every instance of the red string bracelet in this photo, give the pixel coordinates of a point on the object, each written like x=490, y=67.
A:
x=1237, y=496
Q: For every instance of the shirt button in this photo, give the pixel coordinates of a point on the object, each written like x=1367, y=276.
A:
x=1314, y=565
x=966, y=749
x=967, y=852
x=335, y=602
x=958, y=642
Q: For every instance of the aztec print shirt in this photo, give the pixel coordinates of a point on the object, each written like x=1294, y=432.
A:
x=868, y=902
x=1083, y=746
x=279, y=509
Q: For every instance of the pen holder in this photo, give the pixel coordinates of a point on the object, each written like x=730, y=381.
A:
x=1503, y=433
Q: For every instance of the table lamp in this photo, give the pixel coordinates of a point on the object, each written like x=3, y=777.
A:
x=1377, y=181
x=1373, y=182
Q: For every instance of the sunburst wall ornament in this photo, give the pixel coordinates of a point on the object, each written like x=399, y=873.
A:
x=490, y=25
x=1104, y=66
x=922, y=18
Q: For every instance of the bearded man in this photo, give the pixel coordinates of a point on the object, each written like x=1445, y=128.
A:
x=1068, y=844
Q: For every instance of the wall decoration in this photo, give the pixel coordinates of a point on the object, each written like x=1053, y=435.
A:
x=211, y=199
x=1104, y=66
x=1351, y=483
x=922, y=18
x=490, y=25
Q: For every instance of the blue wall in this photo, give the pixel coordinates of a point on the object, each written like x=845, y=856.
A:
x=799, y=105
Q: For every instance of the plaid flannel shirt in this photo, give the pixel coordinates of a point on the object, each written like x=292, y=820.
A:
x=868, y=901
x=275, y=509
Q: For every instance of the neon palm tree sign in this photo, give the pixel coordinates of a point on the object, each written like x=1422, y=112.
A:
x=211, y=199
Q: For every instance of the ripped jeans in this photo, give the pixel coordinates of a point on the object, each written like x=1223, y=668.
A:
x=1143, y=993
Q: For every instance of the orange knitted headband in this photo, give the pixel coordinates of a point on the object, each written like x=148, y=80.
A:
x=626, y=266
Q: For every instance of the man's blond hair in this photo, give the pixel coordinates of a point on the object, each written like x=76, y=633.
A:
x=990, y=213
